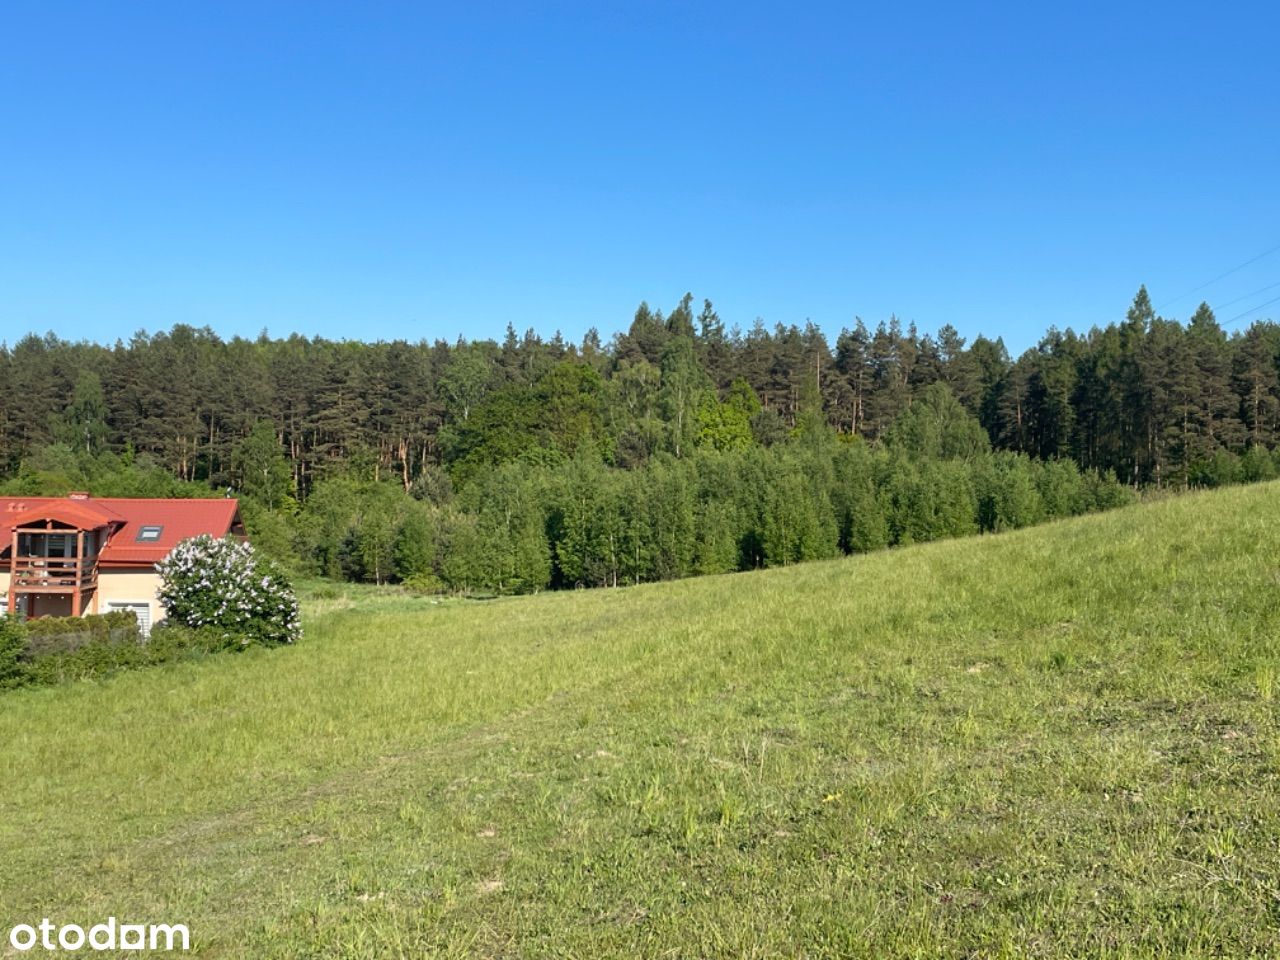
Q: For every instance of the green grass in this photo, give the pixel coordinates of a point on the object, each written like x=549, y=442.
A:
x=1056, y=742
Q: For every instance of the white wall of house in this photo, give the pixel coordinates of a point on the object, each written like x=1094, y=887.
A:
x=129, y=586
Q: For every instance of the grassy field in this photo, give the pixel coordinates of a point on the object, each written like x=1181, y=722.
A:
x=1056, y=742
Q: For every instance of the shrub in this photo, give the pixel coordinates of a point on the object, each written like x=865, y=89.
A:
x=13, y=640
x=223, y=584
x=107, y=648
x=48, y=636
x=1106, y=492
x=1256, y=464
x=65, y=649
x=425, y=583
x=1217, y=471
x=61, y=649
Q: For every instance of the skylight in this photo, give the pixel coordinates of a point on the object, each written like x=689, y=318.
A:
x=149, y=534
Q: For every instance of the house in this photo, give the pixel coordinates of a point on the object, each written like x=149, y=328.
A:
x=69, y=556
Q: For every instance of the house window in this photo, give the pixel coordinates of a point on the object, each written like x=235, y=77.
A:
x=149, y=534
x=57, y=545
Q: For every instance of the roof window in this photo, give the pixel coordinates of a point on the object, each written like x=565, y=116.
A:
x=149, y=534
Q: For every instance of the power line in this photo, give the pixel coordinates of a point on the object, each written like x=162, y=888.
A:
x=1265, y=253
x=1241, y=316
x=1250, y=296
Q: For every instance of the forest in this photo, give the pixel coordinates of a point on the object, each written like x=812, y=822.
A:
x=677, y=448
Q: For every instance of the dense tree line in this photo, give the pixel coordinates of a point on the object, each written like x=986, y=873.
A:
x=680, y=447
x=525, y=525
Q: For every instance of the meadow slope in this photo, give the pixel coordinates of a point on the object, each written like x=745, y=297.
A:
x=1057, y=742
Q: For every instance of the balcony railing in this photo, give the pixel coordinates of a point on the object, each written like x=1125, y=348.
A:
x=54, y=574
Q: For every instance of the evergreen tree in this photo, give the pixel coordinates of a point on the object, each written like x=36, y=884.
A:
x=1257, y=383
x=1211, y=411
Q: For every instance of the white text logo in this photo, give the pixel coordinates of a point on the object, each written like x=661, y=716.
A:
x=101, y=936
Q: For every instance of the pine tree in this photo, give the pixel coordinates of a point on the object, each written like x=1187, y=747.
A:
x=853, y=364
x=1257, y=382
x=1213, y=413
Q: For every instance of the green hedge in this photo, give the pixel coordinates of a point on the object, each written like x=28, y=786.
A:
x=63, y=649
x=55, y=635
x=13, y=641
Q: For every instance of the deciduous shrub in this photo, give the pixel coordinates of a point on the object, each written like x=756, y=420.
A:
x=1216, y=471
x=1256, y=464
x=13, y=639
x=48, y=636
x=62, y=649
x=1105, y=493
x=225, y=585
x=57, y=649
x=65, y=649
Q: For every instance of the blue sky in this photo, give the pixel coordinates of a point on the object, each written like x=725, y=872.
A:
x=388, y=170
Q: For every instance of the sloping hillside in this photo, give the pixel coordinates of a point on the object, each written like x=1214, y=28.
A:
x=1061, y=741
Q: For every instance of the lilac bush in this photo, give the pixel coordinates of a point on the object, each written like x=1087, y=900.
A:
x=223, y=584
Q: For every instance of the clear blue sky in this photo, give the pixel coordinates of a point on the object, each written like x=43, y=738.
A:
x=368, y=170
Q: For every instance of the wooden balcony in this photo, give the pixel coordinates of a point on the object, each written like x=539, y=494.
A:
x=54, y=574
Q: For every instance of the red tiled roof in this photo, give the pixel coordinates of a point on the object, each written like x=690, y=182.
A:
x=79, y=514
x=178, y=520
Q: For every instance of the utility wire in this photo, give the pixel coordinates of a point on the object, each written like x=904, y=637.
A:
x=1265, y=253
x=1241, y=316
x=1249, y=296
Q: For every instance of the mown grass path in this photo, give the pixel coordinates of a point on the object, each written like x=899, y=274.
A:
x=1057, y=742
